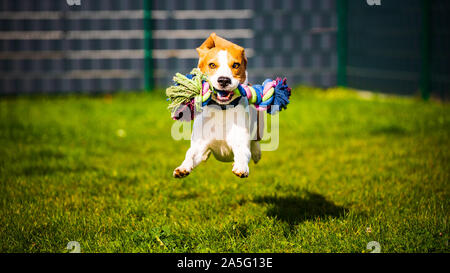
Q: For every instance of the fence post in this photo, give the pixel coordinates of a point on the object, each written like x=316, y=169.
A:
x=342, y=7
x=425, y=77
x=148, y=66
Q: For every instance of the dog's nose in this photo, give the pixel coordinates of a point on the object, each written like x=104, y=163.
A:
x=224, y=81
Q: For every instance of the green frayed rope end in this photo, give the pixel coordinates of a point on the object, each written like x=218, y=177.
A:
x=185, y=90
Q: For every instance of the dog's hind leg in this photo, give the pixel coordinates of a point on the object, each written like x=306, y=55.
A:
x=257, y=129
x=255, y=149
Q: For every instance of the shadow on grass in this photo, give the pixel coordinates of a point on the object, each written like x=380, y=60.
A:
x=296, y=209
x=389, y=130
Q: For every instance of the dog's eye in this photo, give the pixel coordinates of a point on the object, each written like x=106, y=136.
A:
x=236, y=65
x=212, y=65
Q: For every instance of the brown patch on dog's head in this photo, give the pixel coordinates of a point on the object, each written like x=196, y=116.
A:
x=208, y=57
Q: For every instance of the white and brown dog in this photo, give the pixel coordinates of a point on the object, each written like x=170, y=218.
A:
x=237, y=130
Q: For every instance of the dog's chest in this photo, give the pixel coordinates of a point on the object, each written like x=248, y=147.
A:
x=220, y=130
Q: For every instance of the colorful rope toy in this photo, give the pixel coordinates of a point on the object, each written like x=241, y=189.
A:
x=192, y=91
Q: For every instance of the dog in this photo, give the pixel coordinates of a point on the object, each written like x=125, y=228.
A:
x=231, y=139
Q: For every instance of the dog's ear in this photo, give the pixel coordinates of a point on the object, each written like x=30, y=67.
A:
x=216, y=41
x=207, y=44
x=244, y=58
x=221, y=42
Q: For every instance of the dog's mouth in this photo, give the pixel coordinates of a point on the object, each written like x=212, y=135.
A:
x=224, y=96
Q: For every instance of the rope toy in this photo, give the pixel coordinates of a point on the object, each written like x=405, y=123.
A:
x=193, y=91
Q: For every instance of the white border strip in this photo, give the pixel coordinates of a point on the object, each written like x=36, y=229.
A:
x=105, y=34
x=106, y=14
x=30, y=15
x=102, y=74
x=76, y=74
x=212, y=14
x=186, y=53
x=125, y=34
x=128, y=14
x=202, y=33
x=31, y=35
x=30, y=55
x=105, y=54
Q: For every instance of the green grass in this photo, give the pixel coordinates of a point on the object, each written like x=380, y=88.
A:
x=348, y=170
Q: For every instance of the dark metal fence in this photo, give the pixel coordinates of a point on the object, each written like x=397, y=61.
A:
x=384, y=49
x=399, y=46
x=50, y=46
x=282, y=38
x=440, y=48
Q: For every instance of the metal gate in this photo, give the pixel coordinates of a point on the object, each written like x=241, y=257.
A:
x=103, y=45
x=395, y=46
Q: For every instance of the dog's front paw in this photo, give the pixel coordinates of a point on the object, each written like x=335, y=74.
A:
x=241, y=170
x=181, y=172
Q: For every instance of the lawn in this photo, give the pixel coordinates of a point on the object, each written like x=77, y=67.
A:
x=349, y=169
